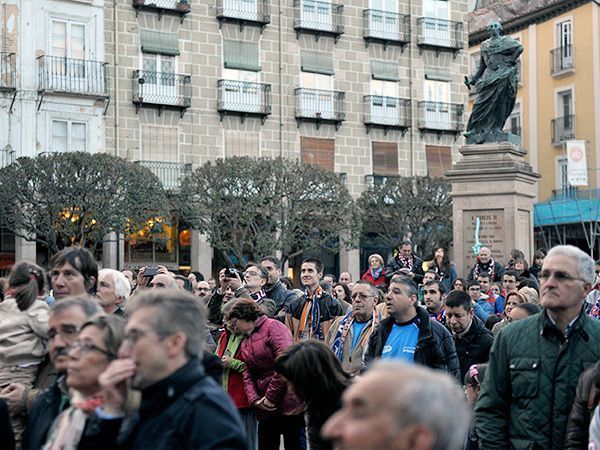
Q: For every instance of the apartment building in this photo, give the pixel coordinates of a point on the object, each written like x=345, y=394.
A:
x=368, y=89
x=53, y=87
x=558, y=100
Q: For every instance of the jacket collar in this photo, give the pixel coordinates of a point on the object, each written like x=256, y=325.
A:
x=160, y=395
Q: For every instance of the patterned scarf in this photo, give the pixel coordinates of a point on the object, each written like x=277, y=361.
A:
x=68, y=427
x=258, y=295
x=310, y=319
x=490, y=268
x=342, y=333
x=406, y=263
x=439, y=317
x=376, y=273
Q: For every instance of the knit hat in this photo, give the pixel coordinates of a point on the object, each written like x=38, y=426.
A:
x=377, y=257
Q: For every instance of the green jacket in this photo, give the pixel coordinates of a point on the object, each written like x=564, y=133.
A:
x=530, y=383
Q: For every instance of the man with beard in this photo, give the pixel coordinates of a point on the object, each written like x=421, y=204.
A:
x=433, y=296
x=66, y=317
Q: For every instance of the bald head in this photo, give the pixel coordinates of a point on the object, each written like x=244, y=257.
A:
x=164, y=281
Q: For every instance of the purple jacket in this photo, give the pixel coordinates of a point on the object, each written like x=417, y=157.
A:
x=259, y=350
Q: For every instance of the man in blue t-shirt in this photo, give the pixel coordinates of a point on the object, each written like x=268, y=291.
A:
x=409, y=334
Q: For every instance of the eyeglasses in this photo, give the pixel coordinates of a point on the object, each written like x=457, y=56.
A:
x=66, y=332
x=86, y=347
x=203, y=289
x=250, y=273
x=361, y=297
x=559, y=276
x=134, y=336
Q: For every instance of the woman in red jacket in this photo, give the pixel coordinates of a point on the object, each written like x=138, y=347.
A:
x=375, y=274
x=278, y=411
x=229, y=350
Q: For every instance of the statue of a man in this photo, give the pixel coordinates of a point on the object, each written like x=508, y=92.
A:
x=496, y=85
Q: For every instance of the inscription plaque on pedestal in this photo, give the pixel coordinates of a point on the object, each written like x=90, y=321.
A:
x=491, y=233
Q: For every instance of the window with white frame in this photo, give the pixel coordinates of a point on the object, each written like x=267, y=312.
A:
x=564, y=37
x=562, y=178
x=68, y=39
x=513, y=123
x=68, y=136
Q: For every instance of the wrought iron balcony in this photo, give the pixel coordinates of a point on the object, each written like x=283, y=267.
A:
x=170, y=174
x=243, y=97
x=319, y=17
x=563, y=129
x=387, y=112
x=320, y=106
x=379, y=180
x=441, y=117
x=8, y=80
x=72, y=76
x=439, y=34
x=387, y=27
x=181, y=7
x=244, y=11
x=162, y=89
x=562, y=60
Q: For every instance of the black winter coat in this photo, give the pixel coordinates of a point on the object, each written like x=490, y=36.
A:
x=435, y=346
x=586, y=400
x=186, y=411
x=44, y=411
x=393, y=265
x=474, y=347
x=282, y=297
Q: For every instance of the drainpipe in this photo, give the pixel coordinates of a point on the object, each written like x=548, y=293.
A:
x=116, y=75
x=280, y=36
x=411, y=95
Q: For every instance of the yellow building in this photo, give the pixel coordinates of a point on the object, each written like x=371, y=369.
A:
x=558, y=100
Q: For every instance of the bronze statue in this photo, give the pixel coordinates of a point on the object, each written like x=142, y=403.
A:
x=496, y=85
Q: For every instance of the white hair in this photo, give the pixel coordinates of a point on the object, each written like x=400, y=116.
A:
x=122, y=286
x=585, y=263
x=428, y=398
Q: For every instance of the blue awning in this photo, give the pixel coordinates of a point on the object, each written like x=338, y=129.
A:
x=577, y=207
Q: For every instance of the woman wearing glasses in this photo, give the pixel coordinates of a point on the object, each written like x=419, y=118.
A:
x=96, y=345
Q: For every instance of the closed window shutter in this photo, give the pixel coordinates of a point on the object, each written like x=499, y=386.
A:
x=384, y=70
x=385, y=158
x=318, y=151
x=159, y=42
x=316, y=62
x=241, y=55
x=439, y=160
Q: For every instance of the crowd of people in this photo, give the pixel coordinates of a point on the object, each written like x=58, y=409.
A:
x=409, y=356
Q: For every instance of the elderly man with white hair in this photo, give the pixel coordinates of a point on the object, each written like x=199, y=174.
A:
x=113, y=291
x=397, y=406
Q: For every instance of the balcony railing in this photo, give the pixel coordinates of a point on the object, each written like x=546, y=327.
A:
x=7, y=156
x=244, y=97
x=563, y=129
x=439, y=33
x=178, y=6
x=386, y=26
x=256, y=11
x=561, y=59
x=7, y=71
x=441, y=116
x=387, y=111
x=566, y=191
x=170, y=174
x=72, y=76
x=318, y=16
x=379, y=180
x=320, y=105
x=162, y=88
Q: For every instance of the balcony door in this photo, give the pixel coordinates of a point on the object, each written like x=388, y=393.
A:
x=565, y=111
x=437, y=108
x=384, y=19
x=66, y=68
x=384, y=102
x=159, y=78
x=317, y=95
x=317, y=14
x=241, y=91
x=436, y=25
x=564, y=36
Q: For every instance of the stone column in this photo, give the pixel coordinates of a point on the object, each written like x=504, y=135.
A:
x=25, y=250
x=201, y=254
x=492, y=182
x=113, y=251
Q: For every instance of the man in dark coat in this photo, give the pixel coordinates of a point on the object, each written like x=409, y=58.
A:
x=471, y=338
x=405, y=263
x=181, y=406
x=275, y=289
x=409, y=334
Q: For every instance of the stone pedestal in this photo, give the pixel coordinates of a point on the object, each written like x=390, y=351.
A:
x=495, y=183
